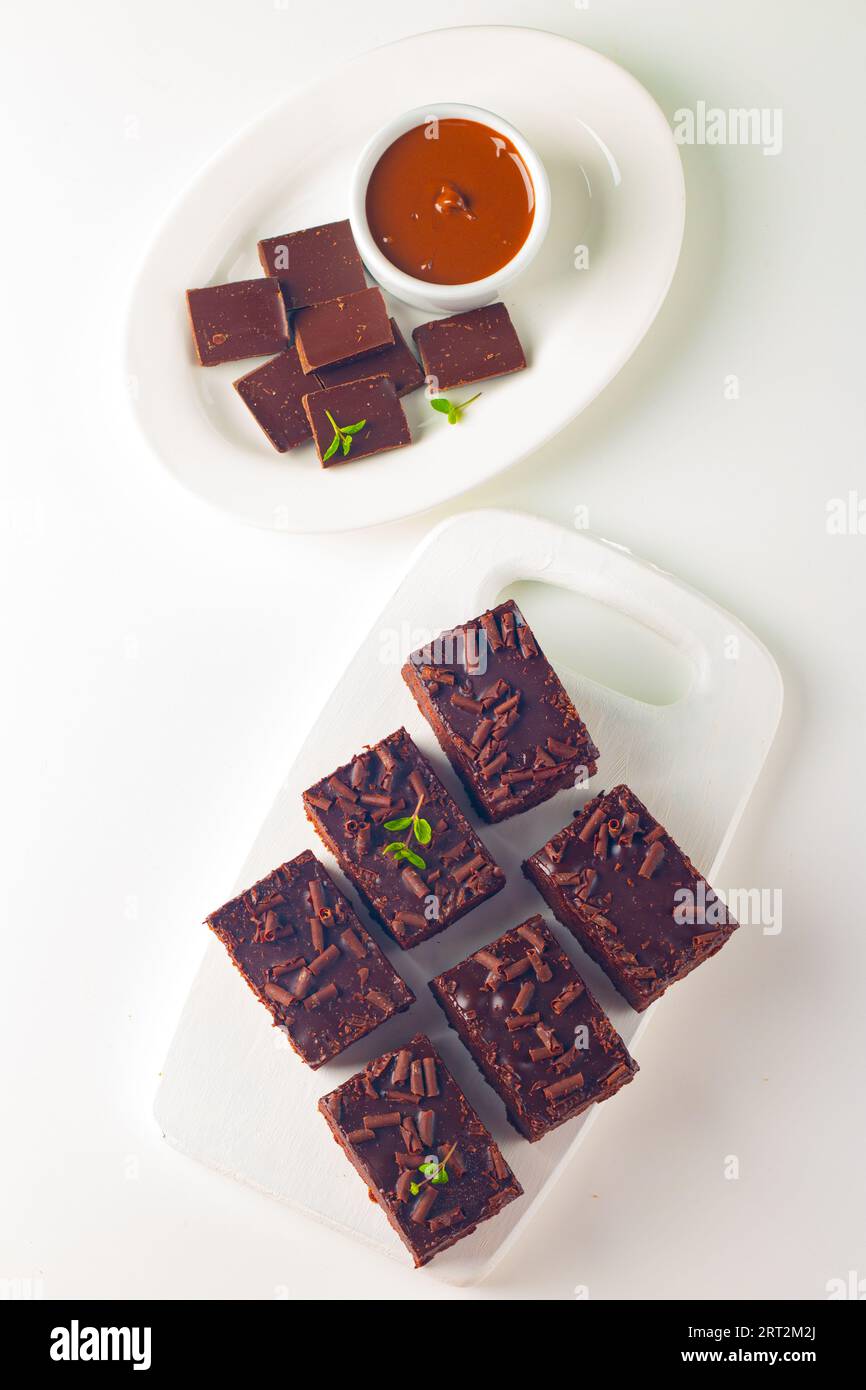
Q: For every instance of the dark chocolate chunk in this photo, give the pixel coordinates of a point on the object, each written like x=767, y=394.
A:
x=469, y=347
x=342, y=329
x=373, y=400
x=427, y=1159
x=396, y=361
x=351, y=810
x=274, y=394
x=304, y=953
x=244, y=319
x=500, y=713
x=549, y=1064
x=315, y=264
x=630, y=896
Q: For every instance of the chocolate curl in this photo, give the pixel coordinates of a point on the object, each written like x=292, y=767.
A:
x=567, y=997
x=655, y=855
x=414, y=882
x=416, y=1082
x=322, y=803
x=416, y=782
x=303, y=984
x=531, y=934
x=408, y=1161
x=524, y=996
x=403, y=1190
x=466, y=702
x=401, y=1098
x=507, y=621
x=426, y=1126
x=601, y=841
x=482, y=732
x=409, y=919
x=542, y=758
x=321, y=962
x=358, y=775
x=487, y=958
x=490, y=769
x=516, y=968
x=527, y=1021
x=386, y=757
x=549, y=1038
x=590, y=826
x=360, y=1136
x=279, y=996
x=430, y=1080
x=565, y=1086
x=450, y=856
x=423, y=1205
x=377, y=800
x=543, y=972
x=319, y=901
x=411, y=1137
x=488, y=622
x=317, y=935
x=353, y=944
x=469, y=868
x=528, y=644
x=384, y=1121
x=340, y=789
x=401, y=1066
x=507, y=705
x=655, y=834
x=321, y=996
x=379, y=999
x=446, y=1219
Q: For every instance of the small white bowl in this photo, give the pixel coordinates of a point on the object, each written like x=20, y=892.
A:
x=423, y=294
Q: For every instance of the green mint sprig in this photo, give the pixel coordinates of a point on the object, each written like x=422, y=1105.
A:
x=453, y=409
x=342, y=437
x=418, y=827
x=434, y=1172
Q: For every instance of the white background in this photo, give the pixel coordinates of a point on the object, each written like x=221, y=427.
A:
x=161, y=663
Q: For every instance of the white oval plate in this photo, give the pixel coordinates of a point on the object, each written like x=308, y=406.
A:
x=617, y=189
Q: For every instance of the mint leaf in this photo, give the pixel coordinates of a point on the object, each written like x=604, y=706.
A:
x=414, y=859
x=402, y=824
x=353, y=429
x=441, y=403
x=332, y=448
x=396, y=848
x=423, y=830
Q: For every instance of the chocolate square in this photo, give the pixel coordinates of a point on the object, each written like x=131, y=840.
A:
x=351, y=809
x=373, y=400
x=533, y=1029
x=469, y=347
x=307, y=958
x=631, y=897
x=315, y=264
x=405, y=1110
x=342, y=329
x=500, y=712
x=396, y=361
x=244, y=319
x=274, y=395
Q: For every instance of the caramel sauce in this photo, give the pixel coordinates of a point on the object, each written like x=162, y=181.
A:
x=450, y=202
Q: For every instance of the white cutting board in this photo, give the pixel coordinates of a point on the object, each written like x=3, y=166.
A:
x=234, y=1095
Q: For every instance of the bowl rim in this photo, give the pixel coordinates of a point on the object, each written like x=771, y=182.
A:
x=398, y=281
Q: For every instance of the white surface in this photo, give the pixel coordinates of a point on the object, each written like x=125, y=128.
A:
x=616, y=183
x=144, y=740
x=233, y=1099
x=452, y=299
